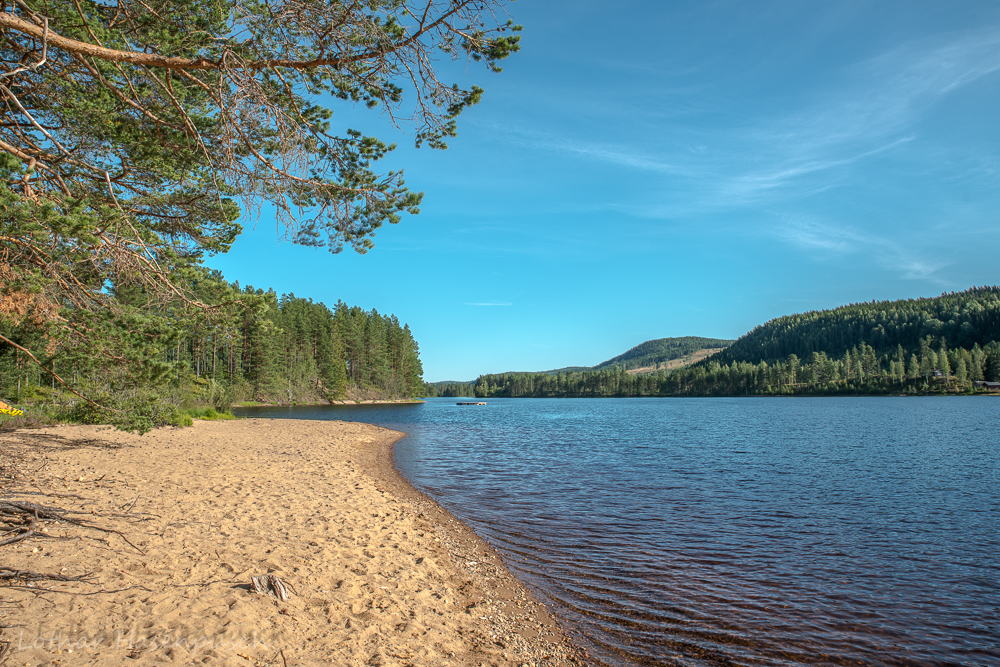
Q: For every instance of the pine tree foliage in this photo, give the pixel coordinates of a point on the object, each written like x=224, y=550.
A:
x=136, y=134
x=260, y=347
x=288, y=349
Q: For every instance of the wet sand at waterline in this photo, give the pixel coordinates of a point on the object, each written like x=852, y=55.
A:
x=381, y=575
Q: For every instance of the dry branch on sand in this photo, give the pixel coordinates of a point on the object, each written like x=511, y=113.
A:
x=315, y=504
x=22, y=520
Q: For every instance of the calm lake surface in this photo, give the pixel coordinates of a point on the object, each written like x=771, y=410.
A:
x=838, y=531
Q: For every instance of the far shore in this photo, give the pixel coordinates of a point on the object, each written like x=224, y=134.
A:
x=178, y=521
x=345, y=401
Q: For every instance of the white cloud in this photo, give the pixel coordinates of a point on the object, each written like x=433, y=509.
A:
x=758, y=184
x=845, y=239
x=873, y=112
x=598, y=151
x=873, y=109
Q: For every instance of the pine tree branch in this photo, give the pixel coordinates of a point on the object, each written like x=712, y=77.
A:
x=8, y=20
x=53, y=374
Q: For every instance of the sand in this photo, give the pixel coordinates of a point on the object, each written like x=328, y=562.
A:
x=381, y=574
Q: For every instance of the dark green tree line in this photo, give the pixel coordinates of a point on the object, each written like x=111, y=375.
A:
x=960, y=319
x=940, y=344
x=449, y=389
x=295, y=350
x=257, y=346
x=858, y=371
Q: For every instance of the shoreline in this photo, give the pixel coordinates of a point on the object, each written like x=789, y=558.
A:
x=516, y=612
x=178, y=520
x=344, y=401
x=804, y=395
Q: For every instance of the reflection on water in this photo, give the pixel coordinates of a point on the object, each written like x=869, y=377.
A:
x=840, y=531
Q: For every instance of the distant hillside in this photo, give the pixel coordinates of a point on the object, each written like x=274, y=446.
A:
x=569, y=369
x=653, y=354
x=692, y=358
x=960, y=319
x=662, y=350
x=942, y=345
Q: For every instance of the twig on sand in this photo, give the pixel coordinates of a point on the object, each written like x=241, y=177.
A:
x=133, y=504
x=27, y=533
x=27, y=575
x=21, y=507
x=46, y=493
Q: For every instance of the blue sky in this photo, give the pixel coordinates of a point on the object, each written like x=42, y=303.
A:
x=679, y=168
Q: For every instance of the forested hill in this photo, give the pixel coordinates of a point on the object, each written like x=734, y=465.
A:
x=652, y=354
x=946, y=344
x=662, y=350
x=959, y=319
x=649, y=355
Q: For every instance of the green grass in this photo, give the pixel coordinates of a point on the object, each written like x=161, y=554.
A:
x=186, y=416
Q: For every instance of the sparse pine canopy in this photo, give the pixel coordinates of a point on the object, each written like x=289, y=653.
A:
x=136, y=133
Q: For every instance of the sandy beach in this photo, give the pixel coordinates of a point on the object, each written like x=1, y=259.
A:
x=378, y=573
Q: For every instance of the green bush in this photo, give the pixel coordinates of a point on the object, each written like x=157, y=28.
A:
x=181, y=420
x=186, y=416
x=138, y=411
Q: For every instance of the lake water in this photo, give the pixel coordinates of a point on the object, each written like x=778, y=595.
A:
x=785, y=531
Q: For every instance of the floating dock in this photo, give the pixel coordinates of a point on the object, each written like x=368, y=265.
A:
x=471, y=403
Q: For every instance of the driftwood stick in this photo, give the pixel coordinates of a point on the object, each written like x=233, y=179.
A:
x=36, y=590
x=27, y=575
x=267, y=584
x=278, y=586
x=24, y=507
x=287, y=585
x=39, y=492
x=28, y=533
x=133, y=504
x=259, y=585
x=57, y=514
x=121, y=535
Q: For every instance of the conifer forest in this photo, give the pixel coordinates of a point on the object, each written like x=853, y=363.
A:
x=255, y=347
x=945, y=344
